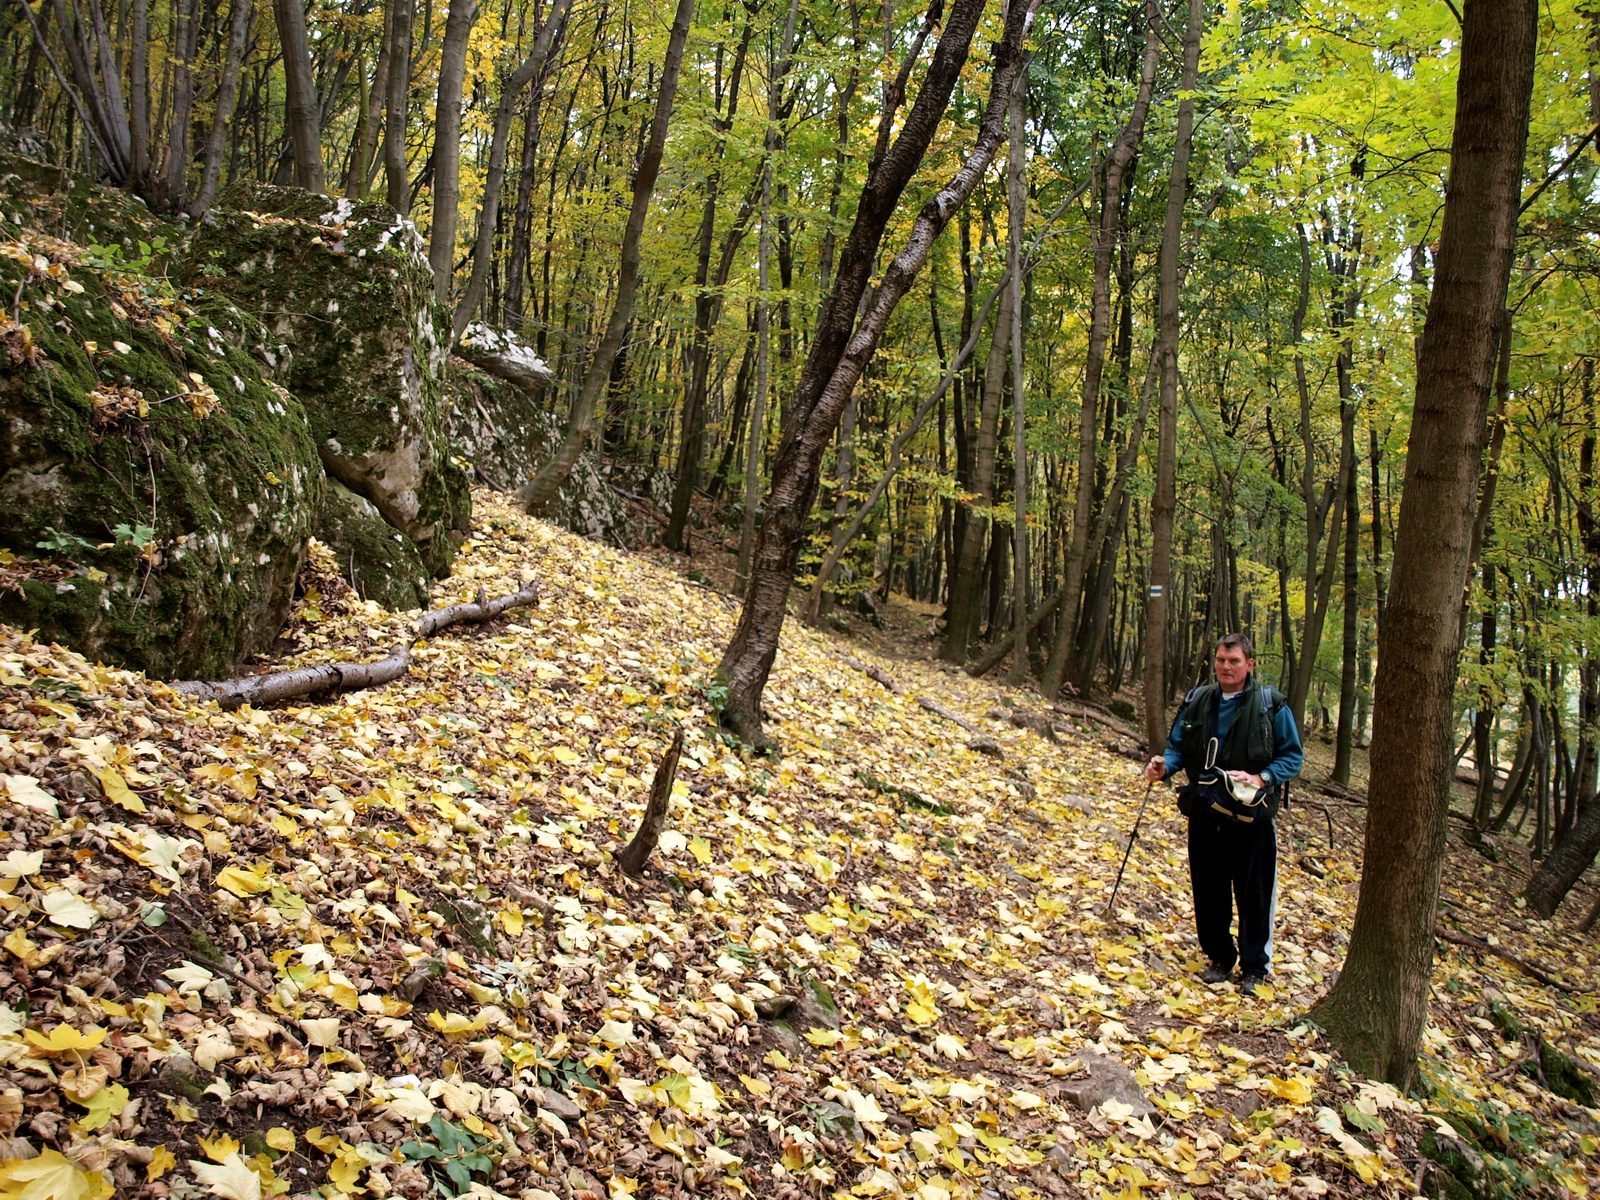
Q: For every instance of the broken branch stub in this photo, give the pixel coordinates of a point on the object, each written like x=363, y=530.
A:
x=637, y=852
x=346, y=677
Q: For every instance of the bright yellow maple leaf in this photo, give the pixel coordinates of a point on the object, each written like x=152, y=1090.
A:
x=51, y=1176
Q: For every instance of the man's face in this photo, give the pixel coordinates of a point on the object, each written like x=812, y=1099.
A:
x=1232, y=667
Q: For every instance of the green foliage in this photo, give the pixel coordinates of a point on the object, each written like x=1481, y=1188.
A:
x=452, y=1158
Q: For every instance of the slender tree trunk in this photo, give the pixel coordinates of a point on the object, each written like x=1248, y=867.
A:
x=363, y=165
x=966, y=576
x=139, y=93
x=227, y=97
x=522, y=221
x=1117, y=163
x=538, y=490
x=489, y=209
x=304, y=112
x=174, y=183
x=840, y=349
x=707, y=307
x=397, y=99
x=1344, y=738
x=447, y=145
x=1017, y=214
x=851, y=531
x=1164, y=504
x=1376, y=1011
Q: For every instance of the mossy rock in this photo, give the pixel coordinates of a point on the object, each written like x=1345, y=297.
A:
x=507, y=433
x=1459, y=1171
x=380, y=563
x=1565, y=1077
x=347, y=292
x=174, y=485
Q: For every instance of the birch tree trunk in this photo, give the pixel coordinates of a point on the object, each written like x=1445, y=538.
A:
x=1376, y=1011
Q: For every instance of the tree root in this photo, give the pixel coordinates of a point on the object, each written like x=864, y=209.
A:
x=344, y=677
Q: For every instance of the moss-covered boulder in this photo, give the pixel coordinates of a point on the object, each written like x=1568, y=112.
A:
x=378, y=561
x=156, y=491
x=347, y=291
x=499, y=423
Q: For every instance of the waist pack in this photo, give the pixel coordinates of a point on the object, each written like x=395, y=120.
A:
x=1217, y=794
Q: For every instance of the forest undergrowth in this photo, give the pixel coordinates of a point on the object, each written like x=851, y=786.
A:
x=379, y=944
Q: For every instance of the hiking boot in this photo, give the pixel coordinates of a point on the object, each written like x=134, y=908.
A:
x=1215, y=974
x=1250, y=983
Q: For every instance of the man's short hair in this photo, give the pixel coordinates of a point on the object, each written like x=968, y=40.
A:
x=1239, y=642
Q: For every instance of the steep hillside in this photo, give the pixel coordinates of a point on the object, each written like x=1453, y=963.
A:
x=379, y=944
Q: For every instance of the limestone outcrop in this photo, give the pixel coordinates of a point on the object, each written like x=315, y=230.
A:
x=346, y=291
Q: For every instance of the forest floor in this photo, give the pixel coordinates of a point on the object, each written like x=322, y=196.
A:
x=380, y=944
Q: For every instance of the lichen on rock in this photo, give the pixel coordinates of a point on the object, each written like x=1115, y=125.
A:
x=498, y=423
x=348, y=294
x=155, y=490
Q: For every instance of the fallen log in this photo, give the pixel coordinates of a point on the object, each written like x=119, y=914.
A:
x=257, y=690
x=991, y=657
x=876, y=673
x=944, y=712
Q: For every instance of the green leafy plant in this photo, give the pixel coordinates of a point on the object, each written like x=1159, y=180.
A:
x=63, y=543
x=452, y=1158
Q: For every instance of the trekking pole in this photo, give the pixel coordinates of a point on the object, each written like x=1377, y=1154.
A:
x=1132, y=837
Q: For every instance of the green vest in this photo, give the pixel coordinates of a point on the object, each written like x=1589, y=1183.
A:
x=1250, y=744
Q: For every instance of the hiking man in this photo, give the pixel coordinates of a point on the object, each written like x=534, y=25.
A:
x=1258, y=746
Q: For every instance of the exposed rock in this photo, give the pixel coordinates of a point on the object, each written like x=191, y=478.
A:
x=347, y=291
x=984, y=744
x=501, y=426
x=558, y=1103
x=173, y=485
x=1108, y=1079
x=771, y=1008
x=380, y=562
x=815, y=1008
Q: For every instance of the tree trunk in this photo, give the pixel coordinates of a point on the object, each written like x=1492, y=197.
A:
x=1376, y=1011
x=1344, y=738
x=840, y=350
x=489, y=208
x=707, y=307
x=966, y=576
x=447, y=145
x=538, y=490
x=1017, y=212
x=1106, y=236
x=227, y=97
x=1164, y=504
x=397, y=95
x=303, y=111
x=522, y=221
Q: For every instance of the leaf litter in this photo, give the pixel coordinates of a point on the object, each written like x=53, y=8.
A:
x=379, y=945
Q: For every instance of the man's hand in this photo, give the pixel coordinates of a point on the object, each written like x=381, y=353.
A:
x=1254, y=781
x=1155, y=769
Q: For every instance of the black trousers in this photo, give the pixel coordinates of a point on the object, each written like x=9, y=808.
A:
x=1231, y=862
